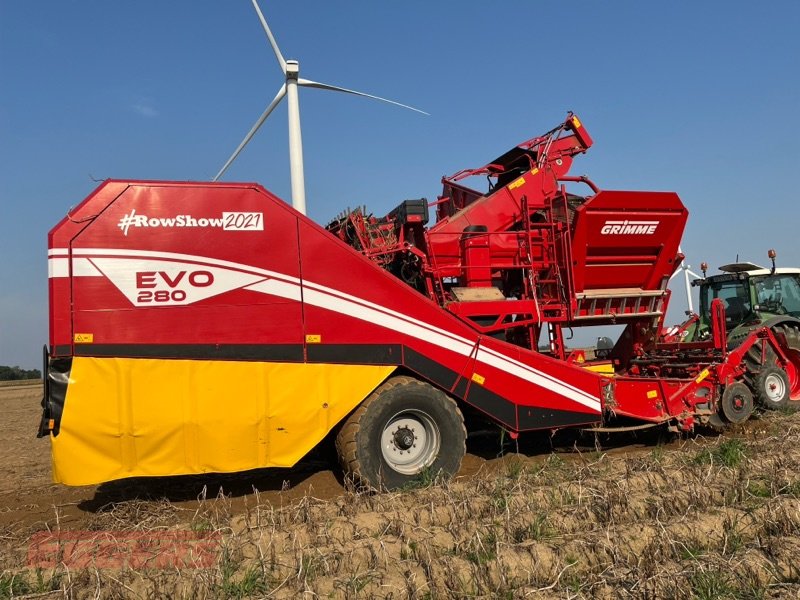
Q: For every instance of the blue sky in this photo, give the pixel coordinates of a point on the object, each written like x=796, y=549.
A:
x=700, y=98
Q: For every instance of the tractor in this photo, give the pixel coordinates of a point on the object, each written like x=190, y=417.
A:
x=754, y=297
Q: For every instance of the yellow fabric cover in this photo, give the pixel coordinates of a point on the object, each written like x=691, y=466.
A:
x=127, y=417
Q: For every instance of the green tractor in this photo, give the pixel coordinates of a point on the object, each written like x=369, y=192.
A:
x=755, y=297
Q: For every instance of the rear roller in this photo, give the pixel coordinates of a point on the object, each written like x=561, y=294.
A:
x=737, y=403
x=403, y=429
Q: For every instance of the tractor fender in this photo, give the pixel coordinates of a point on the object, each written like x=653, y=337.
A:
x=790, y=328
x=781, y=320
x=735, y=340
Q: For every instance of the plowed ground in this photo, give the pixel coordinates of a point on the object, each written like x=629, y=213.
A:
x=653, y=516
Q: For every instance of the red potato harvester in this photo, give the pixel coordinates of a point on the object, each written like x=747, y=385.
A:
x=209, y=327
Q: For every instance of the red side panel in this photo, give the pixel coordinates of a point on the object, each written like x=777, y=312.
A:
x=143, y=277
x=626, y=240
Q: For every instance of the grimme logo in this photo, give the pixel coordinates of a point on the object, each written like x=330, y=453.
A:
x=629, y=227
x=230, y=221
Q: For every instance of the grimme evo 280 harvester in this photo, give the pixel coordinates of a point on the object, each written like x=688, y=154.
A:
x=209, y=327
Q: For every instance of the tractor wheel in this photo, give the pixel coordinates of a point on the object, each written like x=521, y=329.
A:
x=737, y=403
x=772, y=388
x=404, y=431
x=791, y=332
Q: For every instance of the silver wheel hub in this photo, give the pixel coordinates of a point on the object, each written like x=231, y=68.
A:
x=410, y=442
x=774, y=388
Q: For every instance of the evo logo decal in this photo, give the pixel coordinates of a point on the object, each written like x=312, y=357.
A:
x=629, y=227
x=170, y=283
x=230, y=221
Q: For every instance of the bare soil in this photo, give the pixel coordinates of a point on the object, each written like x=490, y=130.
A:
x=571, y=516
x=28, y=496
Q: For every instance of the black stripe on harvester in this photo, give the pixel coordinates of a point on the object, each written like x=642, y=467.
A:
x=266, y=352
x=461, y=388
x=358, y=354
x=493, y=404
x=430, y=369
x=526, y=418
x=517, y=418
x=535, y=417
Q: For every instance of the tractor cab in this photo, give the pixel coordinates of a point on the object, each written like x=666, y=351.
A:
x=750, y=294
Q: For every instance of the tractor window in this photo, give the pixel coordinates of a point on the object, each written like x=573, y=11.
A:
x=779, y=294
x=734, y=296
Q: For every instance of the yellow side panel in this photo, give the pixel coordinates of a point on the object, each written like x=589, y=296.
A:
x=145, y=417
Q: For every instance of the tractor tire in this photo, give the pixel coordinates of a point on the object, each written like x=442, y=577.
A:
x=772, y=388
x=405, y=431
x=737, y=403
x=791, y=332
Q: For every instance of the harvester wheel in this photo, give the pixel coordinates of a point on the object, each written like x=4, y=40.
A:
x=737, y=403
x=772, y=388
x=791, y=331
x=404, y=431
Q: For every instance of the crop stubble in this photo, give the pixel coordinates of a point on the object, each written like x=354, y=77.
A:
x=704, y=517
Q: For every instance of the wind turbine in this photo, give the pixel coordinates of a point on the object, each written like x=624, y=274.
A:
x=291, y=70
x=686, y=272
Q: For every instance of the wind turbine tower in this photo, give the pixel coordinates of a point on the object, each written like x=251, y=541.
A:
x=289, y=89
x=685, y=268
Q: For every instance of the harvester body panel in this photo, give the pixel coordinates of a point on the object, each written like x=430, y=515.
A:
x=210, y=327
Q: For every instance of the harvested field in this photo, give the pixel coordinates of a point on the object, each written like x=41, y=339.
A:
x=656, y=517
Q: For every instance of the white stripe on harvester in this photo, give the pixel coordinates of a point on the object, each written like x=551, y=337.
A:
x=81, y=267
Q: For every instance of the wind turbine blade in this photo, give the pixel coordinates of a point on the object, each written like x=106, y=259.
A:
x=270, y=37
x=336, y=88
x=693, y=274
x=278, y=97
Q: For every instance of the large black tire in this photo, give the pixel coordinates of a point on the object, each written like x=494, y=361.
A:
x=404, y=429
x=771, y=387
x=791, y=331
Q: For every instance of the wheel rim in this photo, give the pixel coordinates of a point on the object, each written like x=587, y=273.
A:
x=410, y=442
x=774, y=388
x=738, y=404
